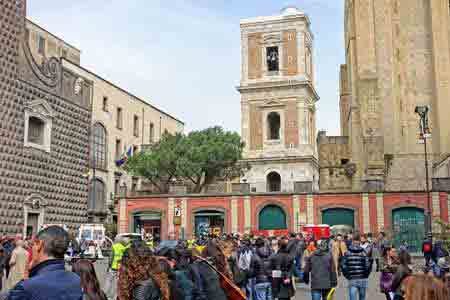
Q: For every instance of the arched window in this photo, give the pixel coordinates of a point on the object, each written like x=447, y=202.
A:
x=273, y=126
x=96, y=195
x=273, y=182
x=99, y=146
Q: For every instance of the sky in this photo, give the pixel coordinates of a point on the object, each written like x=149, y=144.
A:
x=183, y=56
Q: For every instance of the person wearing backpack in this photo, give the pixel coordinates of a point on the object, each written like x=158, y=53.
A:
x=261, y=286
x=320, y=269
x=282, y=267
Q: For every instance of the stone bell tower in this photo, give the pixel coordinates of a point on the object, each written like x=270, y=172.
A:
x=278, y=112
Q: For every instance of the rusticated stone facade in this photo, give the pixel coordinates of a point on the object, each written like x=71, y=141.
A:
x=44, y=134
x=397, y=57
x=278, y=111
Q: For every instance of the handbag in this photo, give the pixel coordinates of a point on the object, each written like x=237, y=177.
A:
x=233, y=291
x=386, y=282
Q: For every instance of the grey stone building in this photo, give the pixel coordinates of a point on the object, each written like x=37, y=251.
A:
x=45, y=113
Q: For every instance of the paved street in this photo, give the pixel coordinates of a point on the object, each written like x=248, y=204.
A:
x=303, y=291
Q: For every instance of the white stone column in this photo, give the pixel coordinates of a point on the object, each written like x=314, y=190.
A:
x=234, y=214
x=296, y=210
x=170, y=209
x=380, y=212
x=247, y=214
x=365, y=212
x=436, y=211
x=310, y=209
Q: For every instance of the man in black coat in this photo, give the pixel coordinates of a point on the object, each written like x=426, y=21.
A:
x=356, y=267
x=323, y=272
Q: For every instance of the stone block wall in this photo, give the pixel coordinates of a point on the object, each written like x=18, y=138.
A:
x=49, y=184
x=335, y=167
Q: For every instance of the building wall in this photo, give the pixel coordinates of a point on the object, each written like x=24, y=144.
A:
x=45, y=181
x=397, y=57
x=288, y=92
x=54, y=46
x=334, y=163
x=131, y=106
x=372, y=211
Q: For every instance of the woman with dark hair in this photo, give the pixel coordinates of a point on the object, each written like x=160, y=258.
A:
x=89, y=281
x=403, y=271
x=282, y=266
x=388, y=269
x=214, y=252
x=141, y=278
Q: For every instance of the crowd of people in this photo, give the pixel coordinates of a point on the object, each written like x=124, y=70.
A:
x=227, y=267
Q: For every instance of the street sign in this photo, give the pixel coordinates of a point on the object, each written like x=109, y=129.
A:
x=177, y=212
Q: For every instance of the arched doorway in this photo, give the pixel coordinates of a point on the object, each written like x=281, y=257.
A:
x=209, y=222
x=273, y=182
x=339, y=216
x=272, y=217
x=408, y=227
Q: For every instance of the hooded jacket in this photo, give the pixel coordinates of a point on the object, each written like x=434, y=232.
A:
x=355, y=264
x=323, y=272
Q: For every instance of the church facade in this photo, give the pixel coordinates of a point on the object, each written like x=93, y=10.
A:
x=278, y=112
x=45, y=113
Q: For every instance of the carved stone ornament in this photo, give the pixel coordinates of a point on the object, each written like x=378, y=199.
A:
x=78, y=86
x=350, y=169
x=35, y=202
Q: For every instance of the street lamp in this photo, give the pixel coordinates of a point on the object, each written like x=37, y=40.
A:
x=422, y=111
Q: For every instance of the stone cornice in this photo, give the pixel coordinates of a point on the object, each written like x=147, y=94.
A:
x=278, y=84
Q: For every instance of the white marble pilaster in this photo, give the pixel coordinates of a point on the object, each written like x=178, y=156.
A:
x=184, y=213
x=310, y=209
x=247, y=214
x=296, y=210
x=234, y=214
x=436, y=211
x=366, y=212
x=170, y=210
x=380, y=211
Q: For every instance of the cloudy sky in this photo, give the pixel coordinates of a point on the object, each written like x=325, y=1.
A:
x=184, y=55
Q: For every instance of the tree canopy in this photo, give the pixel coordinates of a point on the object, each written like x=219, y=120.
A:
x=197, y=158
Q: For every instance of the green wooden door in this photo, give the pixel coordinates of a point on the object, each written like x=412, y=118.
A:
x=408, y=226
x=338, y=216
x=272, y=217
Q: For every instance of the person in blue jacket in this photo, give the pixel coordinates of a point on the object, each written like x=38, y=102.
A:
x=48, y=278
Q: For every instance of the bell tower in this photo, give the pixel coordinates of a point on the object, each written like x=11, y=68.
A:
x=278, y=102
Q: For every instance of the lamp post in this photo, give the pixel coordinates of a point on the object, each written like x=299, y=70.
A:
x=422, y=111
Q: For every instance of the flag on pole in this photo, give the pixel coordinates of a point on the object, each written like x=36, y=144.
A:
x=123, y=159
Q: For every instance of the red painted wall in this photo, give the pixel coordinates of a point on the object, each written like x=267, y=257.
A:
x=391, y=201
